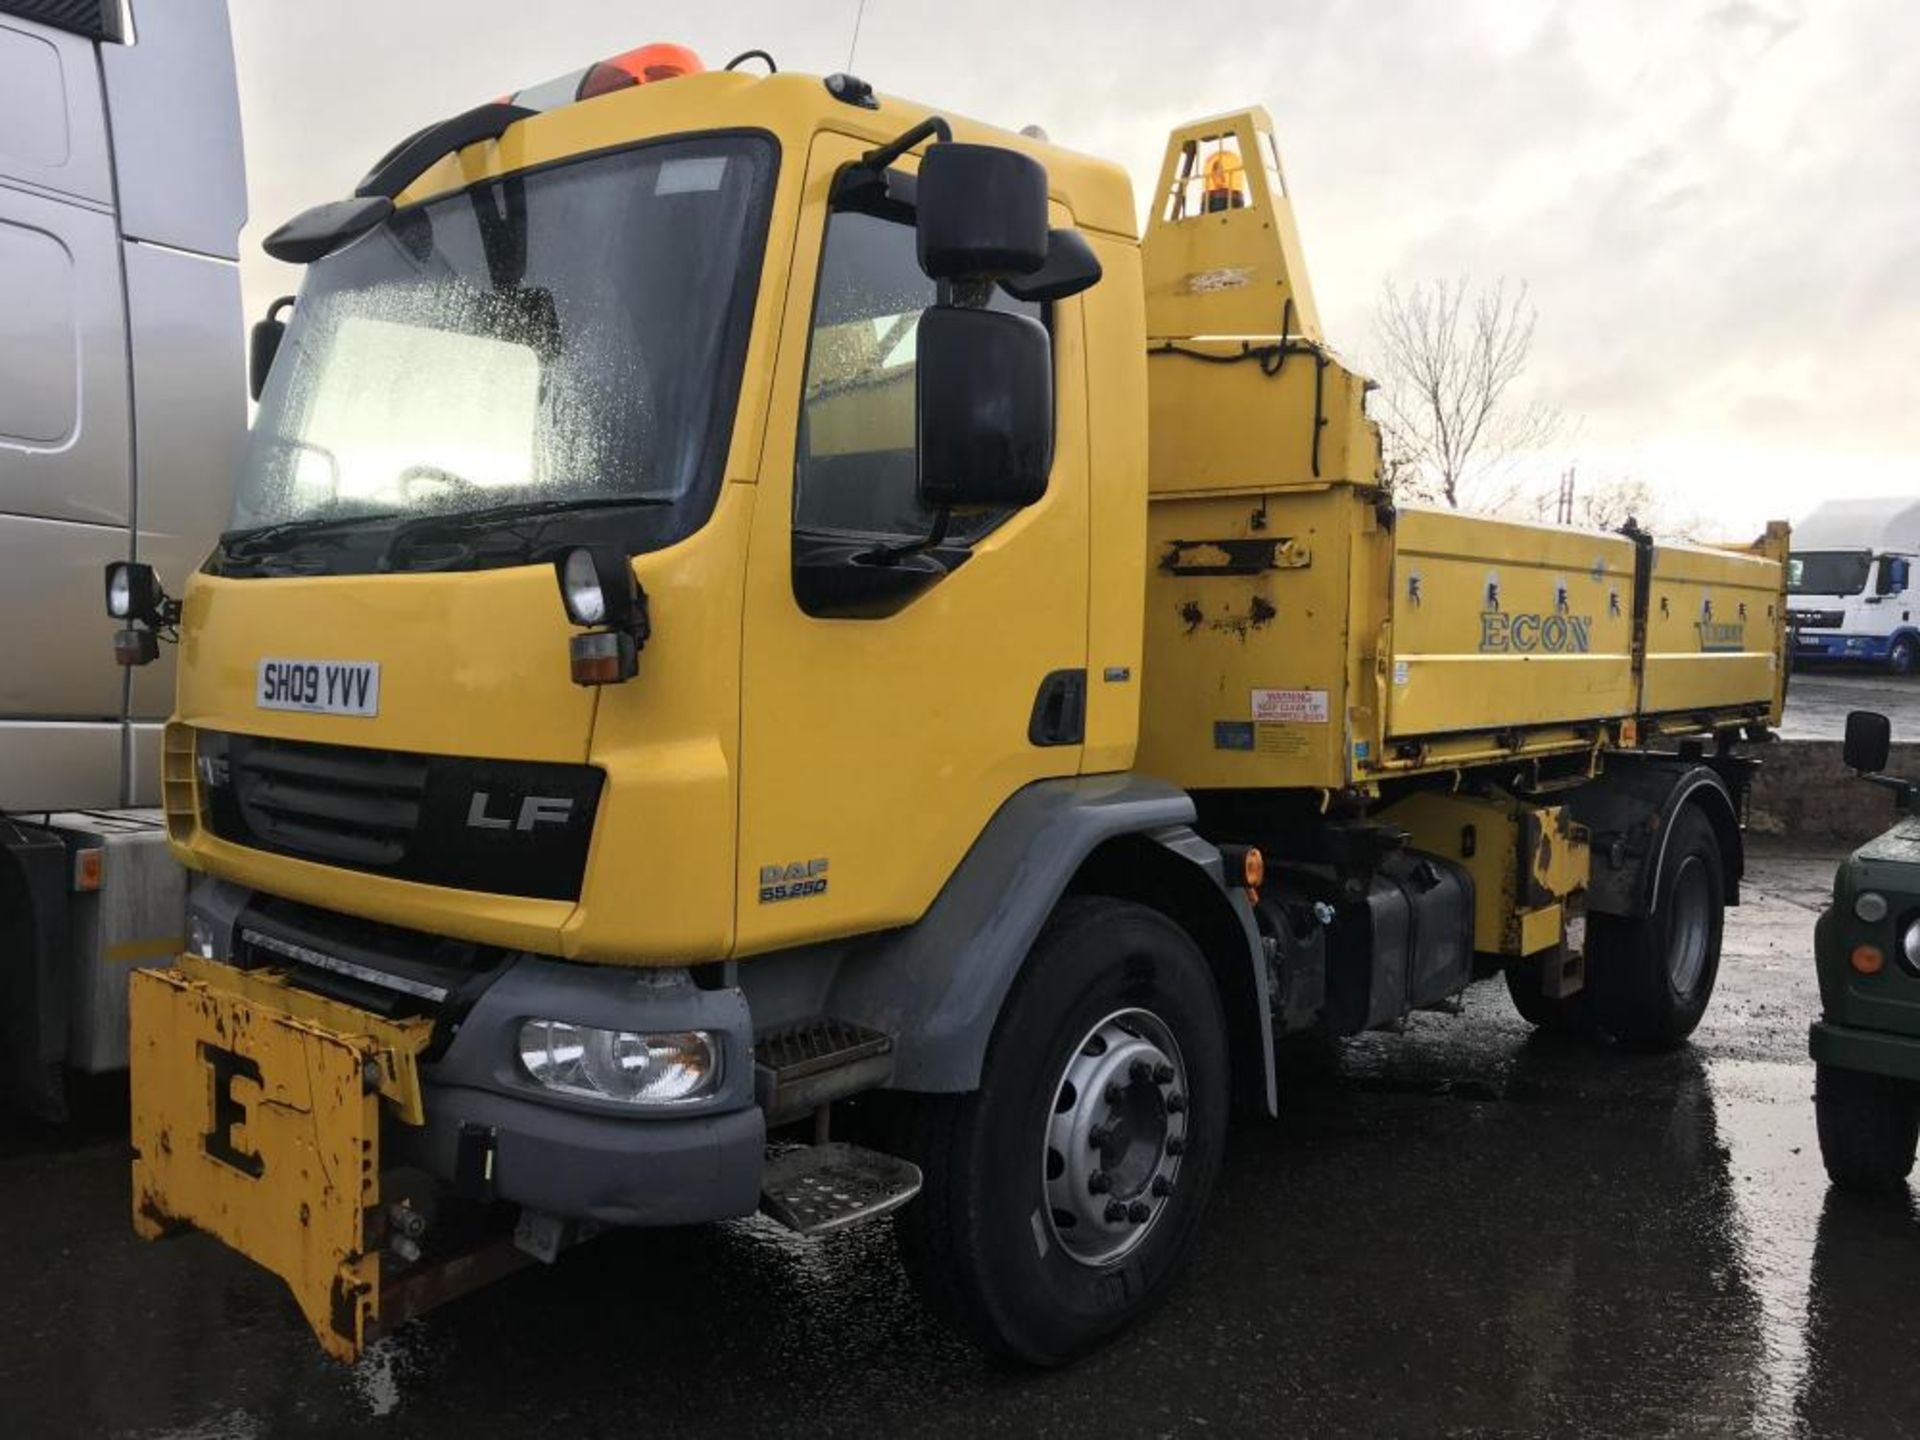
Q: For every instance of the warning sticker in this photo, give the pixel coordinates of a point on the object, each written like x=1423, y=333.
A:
x=1298, y=707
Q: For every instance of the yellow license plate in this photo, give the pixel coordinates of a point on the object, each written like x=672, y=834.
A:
x=261, y=1127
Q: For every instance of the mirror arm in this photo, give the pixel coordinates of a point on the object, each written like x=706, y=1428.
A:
x=879, y=159
x=893, y=554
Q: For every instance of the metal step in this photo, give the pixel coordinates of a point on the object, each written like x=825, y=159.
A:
x=801, y=1068
x=817, y=1188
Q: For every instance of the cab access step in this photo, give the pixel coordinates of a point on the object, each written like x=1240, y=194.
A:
x=799, y=1071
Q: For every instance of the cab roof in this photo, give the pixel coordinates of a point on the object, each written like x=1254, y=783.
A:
x=790, y=106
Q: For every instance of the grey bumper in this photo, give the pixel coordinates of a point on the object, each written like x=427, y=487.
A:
x=581, y=1158
x=594, y=1167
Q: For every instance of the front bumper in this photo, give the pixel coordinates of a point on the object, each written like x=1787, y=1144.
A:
x=586, y=1159
x=611, y=1169
x=1878, y=1052
x=1840, y=647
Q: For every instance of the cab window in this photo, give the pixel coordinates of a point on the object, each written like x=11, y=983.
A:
x=854, y=467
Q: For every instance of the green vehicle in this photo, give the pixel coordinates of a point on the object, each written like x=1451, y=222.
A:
x=1866, y=1045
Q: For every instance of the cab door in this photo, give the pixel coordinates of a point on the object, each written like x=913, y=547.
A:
x=887, y=716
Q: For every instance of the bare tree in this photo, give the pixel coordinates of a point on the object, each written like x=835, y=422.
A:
x=1448, y=355
x=1607, y=502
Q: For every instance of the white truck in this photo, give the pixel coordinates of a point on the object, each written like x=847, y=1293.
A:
x=122, y=414
x=1852, y=588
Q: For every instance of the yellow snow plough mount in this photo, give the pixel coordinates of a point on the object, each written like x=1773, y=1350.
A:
x=773, y=654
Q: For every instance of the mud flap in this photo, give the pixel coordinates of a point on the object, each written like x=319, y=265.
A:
x=261, y=1126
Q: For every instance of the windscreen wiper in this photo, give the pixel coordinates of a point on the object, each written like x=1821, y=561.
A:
x=262, y=539
x=458, y=521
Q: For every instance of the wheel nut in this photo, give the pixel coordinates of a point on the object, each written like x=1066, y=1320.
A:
x=1099, y=1183
x=1115, y=1092
x=1139, y=1212
x=1100, y=1136
x=1176, y=1102
x=1141, y=1071
x=1163, y=1073
x=1162, y=1186
x=1116, y=1212
x=1176, y=1145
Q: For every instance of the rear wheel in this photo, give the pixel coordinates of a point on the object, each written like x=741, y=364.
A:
x=1569, y=1015
x=1061, y=1197
x=1869, y=1125
x=1651, y=976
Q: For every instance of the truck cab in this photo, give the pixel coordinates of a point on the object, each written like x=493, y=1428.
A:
x=1866, y=1044
x=1854, y=584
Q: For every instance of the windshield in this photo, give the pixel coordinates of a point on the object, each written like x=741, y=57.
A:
x=1827, y=572
x=574, y=333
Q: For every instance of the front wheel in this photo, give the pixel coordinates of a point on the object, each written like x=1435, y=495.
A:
x=1652, y=975
x=1901, y=657
x=1869, y=1126
x=1061, y=1197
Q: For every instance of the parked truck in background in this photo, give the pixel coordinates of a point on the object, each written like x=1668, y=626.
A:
x=121, y=420
x=1852, y=584
x=773, y=654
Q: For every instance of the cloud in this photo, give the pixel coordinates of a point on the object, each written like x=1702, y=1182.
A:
x=1713, y=204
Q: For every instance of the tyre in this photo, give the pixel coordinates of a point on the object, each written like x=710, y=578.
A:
x=1651, y=976
x=1061, y=1197
x=1901, y=657
x=1868, y=1127
x=1572, y=1015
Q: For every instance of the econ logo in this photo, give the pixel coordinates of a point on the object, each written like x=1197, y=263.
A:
x=1501, y=633
x=1719, y=637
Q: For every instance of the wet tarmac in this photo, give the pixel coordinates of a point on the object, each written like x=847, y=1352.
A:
x=1464, y=1231
x=1818, y=702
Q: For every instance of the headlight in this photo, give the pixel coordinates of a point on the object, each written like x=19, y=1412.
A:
x=119, y=592
x=1910, y=946
x=637, y=1068
x=1870, y=906
x=580, y=588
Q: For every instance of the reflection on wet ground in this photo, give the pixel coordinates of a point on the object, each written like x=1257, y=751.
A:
x=1465, y=1230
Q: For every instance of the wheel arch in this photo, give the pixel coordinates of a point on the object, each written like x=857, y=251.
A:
x=938, y=985
x=1181, y=876
x=1630, y=812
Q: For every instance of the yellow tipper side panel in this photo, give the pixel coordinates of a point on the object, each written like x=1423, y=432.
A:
x=1248, y=658
x=1499, y=624
x=1714, y=633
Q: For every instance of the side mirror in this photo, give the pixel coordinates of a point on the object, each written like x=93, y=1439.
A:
x=1896, y=573
x=265, y=344
x=983, y=408
x=980, y=212
x=1071, y=267
x=1868, y=743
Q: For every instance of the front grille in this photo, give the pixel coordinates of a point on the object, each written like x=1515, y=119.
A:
x=506, y=827
x=356, y=807
x=1815, y=619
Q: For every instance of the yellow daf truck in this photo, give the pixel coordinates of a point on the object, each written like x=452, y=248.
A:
x=774, y=654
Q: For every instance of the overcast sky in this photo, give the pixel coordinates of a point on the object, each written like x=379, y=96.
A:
x=1716, y=205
